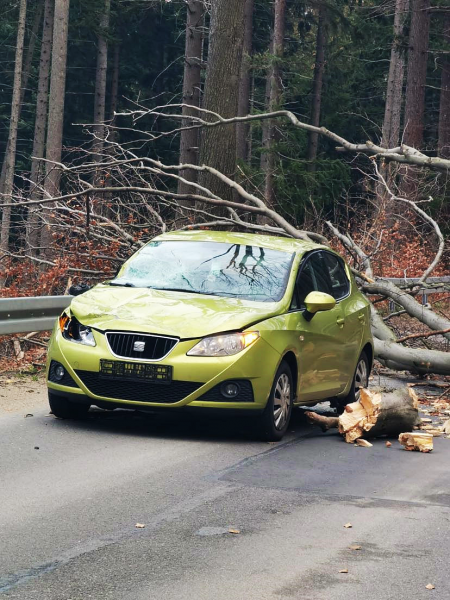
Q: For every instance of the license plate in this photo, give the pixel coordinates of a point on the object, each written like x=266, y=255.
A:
x=114, y=369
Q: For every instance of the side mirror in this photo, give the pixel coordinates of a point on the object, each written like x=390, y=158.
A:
x=317, y=302
x=80, y=288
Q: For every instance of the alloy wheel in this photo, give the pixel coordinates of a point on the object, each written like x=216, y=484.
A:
x=281, y=401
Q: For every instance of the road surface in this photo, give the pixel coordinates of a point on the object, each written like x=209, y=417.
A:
x=71, y=494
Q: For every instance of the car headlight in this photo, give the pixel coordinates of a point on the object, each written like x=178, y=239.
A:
x=74, y=331
x=224, y=345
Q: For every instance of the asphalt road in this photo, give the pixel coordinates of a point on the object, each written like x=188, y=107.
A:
x=71, y=494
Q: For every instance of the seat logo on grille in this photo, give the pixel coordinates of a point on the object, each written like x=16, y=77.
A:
x=139, y=346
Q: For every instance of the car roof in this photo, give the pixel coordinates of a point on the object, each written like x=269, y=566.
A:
x=250, y=239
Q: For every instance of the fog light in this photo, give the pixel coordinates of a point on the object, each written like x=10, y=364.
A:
x=59, y=372
x=230, y=390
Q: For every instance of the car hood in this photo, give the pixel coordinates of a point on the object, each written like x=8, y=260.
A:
x=177, y=314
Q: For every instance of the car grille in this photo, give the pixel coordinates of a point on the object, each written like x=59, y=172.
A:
x=215, y=395
x=156, y=347
x=66, y=380
x=137, y=391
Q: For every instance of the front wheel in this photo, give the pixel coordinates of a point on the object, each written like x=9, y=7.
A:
x=360, y=380
x=274, y=421
x=65, y=409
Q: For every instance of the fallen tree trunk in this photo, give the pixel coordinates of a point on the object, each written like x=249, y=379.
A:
x=420, y=361
x=377, y=413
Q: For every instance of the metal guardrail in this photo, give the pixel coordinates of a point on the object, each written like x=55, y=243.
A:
x=22, y=315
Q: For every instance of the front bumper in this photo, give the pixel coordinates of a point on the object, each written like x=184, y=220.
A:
x=195, y=379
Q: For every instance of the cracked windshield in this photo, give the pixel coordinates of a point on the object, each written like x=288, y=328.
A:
x=217, y=269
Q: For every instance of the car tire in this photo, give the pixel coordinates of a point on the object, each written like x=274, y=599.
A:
x=274, y=421
x=65, y=409
x=360, y=379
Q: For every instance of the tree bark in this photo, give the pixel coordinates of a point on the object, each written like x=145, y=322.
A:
x=394, y=93
x=100, y=83
x=218, y=144
x=243, y=129
x=26, y=70
x=189, y=139
x=56, y=110
x=274, y=99
x=444, y=106
x=10, y=158
x=114, y=90
x=416, y=73
x=40, y=127
x=319, y=68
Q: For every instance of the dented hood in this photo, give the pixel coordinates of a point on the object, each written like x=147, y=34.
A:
x=176, y=314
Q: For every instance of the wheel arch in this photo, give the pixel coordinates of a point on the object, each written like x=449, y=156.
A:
x=291, y=360
x=368, y=349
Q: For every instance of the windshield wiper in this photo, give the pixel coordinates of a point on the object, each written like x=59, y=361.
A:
x=122, y=284
x=182, y=290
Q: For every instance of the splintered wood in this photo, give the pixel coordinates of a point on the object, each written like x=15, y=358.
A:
x=377, y=413
x=363, y=416
x=419, y=441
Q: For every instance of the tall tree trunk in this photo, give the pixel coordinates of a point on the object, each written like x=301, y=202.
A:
x=189, y=139
x=242, y=130
x=275, y=98
x=114, y=90
x=26, y=70
x=40, y=127
x=56, y=110
x=319, y=68
x=100, y=83
x=218, y=144
x=10, y=158
x=416, y=73
x=444, y=108
x=396, y=77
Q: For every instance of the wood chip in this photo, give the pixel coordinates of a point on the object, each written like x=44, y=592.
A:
x=355, y=547
x=420, y=441
x=234, y=531
x=348, y=526
x=363, y=443
x=446, y=427
x=140, y=525
x=343, y=571
x=430, y=586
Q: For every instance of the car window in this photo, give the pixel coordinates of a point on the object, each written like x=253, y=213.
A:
x=211, y=268
x=340, y=285
x=313, y=278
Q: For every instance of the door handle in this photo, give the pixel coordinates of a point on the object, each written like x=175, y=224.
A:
x=340, y=321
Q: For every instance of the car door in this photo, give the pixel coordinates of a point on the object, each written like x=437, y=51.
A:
x=353, y=308
x=320, y=339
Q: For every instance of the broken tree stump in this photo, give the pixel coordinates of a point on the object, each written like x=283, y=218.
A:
x=377, y=413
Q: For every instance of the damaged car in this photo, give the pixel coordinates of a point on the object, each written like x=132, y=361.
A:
x=239, y=324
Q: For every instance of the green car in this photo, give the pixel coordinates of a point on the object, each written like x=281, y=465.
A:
x=234, y=323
